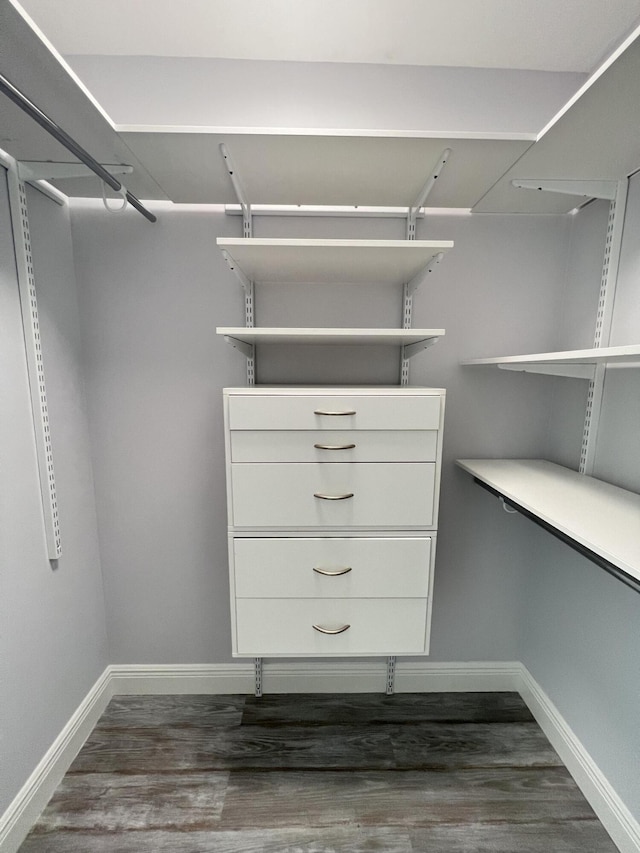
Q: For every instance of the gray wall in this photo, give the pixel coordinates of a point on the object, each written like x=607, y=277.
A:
x=53, y=638
x=151, y=297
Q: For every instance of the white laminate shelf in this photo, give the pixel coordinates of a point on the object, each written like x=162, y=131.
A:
x=601, y=520
x=579, y=364
x=412, y=340
x=318, y=261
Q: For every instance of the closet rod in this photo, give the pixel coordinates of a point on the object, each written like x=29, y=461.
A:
x=21, y=100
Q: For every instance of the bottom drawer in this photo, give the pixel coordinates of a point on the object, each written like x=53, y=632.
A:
x=274, y=626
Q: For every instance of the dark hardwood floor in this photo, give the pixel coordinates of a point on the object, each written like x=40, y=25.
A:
x=444, y=773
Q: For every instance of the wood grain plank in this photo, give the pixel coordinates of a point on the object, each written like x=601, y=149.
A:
x=199, y=709
x=586, y=836
x=376, y=709
x=285, y=840
x=402, y=799
x=108, y=802
x=433, y=745
x=170, y=749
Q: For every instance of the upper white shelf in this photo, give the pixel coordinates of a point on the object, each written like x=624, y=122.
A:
x=412, y=340
x=579, y=364
x=602, y=518
x=342, y=261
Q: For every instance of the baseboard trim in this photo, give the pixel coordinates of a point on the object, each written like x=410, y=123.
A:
x=319, y=677
x=29, y=802
x=616, y=818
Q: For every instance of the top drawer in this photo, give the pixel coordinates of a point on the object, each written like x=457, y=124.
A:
x=324, y=411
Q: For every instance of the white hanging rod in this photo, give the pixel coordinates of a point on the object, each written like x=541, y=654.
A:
x=19, y=99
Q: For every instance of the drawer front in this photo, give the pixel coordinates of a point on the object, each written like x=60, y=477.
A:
x=332, y=567
x=255, y=412
x=397, y=494
x=334, y=446
x=285, y=626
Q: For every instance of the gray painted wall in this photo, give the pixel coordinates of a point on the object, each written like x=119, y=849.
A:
x=53, y=637
x=150, y=299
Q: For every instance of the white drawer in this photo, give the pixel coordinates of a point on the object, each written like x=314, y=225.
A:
x=331, y=567
x=285, y=626
x=300, y=412
x=396, y=494
x=334, y=446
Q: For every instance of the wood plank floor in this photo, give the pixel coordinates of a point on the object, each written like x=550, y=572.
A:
x=443, y=773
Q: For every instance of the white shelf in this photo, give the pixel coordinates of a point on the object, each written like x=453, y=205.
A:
x=323, y=261
x=603, y=519
x=574, y=363
x=412, y=340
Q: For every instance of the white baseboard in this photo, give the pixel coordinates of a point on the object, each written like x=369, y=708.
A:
x=318, y=677
x=616, y=818
x=28, y=803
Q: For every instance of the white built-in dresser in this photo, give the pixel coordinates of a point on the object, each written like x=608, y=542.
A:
x=333, y=508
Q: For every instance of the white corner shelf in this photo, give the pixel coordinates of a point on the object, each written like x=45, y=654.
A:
x=341, y=261
x=600, y=520
x=412, y=340
x=579, y=364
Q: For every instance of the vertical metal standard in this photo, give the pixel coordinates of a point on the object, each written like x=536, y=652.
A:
x=610, y=264
x=257, y=667
x=35, y=365
x=247, y=231
x=391, y=674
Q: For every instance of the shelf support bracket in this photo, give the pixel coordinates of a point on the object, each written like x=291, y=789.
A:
x=421, y=276
x=409, y=350
x=34, y=170
x=575, y=371
x=246, y=283
x=586, y=189
x=412, y=213
x=246, y=349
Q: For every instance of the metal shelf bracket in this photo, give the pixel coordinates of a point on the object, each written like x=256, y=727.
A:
x=35, y=170
x=586, y=189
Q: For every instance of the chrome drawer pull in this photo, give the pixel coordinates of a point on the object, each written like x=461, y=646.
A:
x=334, y=446
x=334, y=414
x=333, y=497
x=331, y=574
x=331, y=630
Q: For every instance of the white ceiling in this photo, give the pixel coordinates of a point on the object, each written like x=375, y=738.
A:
x=550, y=35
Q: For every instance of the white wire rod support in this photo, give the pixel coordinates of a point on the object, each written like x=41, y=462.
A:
x=424, y=193
x=19, y=99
